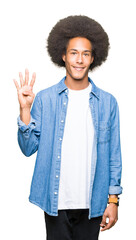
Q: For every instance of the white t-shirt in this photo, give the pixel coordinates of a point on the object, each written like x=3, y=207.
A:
x=76, y=152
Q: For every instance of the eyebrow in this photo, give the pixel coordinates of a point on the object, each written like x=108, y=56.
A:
x=72, y=49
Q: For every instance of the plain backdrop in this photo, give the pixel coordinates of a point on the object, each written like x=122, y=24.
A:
x=24, y=28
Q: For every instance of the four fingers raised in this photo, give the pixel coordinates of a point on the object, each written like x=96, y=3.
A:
x=25, y=82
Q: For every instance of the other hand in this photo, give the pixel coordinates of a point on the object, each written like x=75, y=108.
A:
x=111, y=212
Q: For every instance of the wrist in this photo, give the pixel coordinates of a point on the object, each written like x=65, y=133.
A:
x=113, y=199
x=25, y=108
x=25, y=115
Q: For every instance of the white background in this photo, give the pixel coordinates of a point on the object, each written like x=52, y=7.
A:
x=24, y=28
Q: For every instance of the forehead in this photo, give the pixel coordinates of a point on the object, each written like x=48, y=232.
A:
x=79, y=43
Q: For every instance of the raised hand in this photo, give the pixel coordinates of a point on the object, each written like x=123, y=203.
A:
x=25, y=95
x=25, y=90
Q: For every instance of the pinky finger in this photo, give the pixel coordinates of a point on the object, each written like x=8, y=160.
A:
x=16, y=84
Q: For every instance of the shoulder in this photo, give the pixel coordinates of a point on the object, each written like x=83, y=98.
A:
x=106, y=96
x=47, y=92
x=107, y=100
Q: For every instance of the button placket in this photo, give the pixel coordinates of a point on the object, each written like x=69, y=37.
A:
x=60, y=138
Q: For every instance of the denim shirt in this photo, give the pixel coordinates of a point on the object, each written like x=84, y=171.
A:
x=44, y=134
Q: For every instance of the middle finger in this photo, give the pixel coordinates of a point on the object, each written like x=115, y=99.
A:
x=26, y=76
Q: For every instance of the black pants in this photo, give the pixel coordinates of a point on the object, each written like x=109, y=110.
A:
x=72, y=224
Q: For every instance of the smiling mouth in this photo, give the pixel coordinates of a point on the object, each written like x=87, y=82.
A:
x=78, y=68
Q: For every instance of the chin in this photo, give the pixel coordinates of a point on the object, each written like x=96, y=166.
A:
x=78, y=77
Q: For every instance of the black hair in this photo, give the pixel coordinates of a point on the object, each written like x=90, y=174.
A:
x=77, y=26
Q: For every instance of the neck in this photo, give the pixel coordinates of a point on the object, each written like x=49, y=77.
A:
x=76, y=84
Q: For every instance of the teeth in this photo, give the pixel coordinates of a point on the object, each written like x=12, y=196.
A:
x=78, y=68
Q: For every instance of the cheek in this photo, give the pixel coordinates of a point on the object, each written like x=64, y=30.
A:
x=70, y=61
x=88, y=61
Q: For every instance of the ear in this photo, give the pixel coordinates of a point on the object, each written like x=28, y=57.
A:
x=64, y=57
x=92, y=59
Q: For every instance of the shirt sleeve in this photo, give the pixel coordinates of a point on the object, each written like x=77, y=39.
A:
x=115, y=150
x=29, y=135
x=25, y=128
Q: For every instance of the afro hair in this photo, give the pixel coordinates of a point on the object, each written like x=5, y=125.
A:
x=77, y=26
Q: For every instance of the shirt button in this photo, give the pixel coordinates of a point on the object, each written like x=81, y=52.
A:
x=60, y=139
x=57, y=176
x=64, y=103
x=55, y=193
x=66, y=90
x=62, y=120
x=58, y=156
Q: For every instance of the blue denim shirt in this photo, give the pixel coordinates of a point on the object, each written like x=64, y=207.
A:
x=44, y=134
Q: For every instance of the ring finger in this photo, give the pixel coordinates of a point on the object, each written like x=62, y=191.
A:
x=21, y=79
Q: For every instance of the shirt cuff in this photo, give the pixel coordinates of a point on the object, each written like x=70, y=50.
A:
x=23, y=127
x=115, y=190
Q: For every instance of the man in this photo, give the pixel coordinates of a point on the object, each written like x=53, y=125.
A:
x=74, y=126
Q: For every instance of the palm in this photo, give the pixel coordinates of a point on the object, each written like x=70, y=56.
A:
x=25, y=91
x=25, y=100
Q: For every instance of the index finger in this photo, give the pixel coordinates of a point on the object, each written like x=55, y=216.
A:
x=33, y=80
x=108, y=226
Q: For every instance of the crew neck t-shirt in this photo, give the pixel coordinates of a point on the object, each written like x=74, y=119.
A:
x=76, y=152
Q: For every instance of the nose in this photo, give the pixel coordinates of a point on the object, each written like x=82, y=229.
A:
x=79, y=58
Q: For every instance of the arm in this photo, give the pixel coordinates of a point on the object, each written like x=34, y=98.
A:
x=115, y=151
x=28, y=121
x=29, y=135
x=115, y=189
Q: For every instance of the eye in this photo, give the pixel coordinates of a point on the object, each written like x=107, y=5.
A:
x=86, y=54
x=73, y=53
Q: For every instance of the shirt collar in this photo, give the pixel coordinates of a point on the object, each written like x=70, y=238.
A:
x=62, y=86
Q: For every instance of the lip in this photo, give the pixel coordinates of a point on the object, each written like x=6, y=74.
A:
x=78, y=68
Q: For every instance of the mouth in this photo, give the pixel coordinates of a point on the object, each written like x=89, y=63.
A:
x=79, y=68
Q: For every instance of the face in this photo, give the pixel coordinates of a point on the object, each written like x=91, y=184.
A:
x=78, y=58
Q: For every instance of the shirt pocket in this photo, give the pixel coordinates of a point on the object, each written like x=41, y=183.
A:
x=103, y=132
